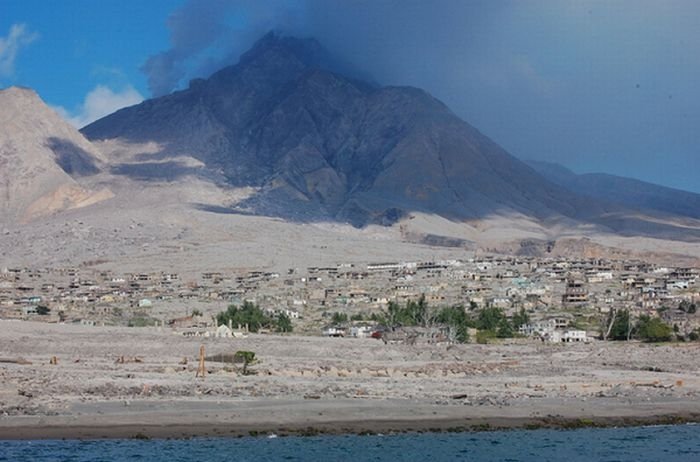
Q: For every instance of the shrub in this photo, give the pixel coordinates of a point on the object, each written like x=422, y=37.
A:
x=245, y=357
x=248, y=313
x=653, y=330
x=284, y=324
x=485, y=336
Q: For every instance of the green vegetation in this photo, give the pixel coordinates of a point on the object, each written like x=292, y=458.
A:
x=505, y=329
x=457, y=319
x=647, y=329
x=248, y=314
x=377, y=318
x=490, y=319
x=245, y=357
x=621, y=328
x=520, y=318
x=251, y=315
x=42, y=310
x=339, y=318
x=491, y=322
x=653, y=330
x=485, y=336
x=415, y=313
x=284, y=324
x=494, y=321
x=142, y=321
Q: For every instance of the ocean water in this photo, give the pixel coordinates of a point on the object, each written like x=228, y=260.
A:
x=661, y=443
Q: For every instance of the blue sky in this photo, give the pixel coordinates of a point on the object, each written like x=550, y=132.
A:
x=595, y=85
x=75, y=46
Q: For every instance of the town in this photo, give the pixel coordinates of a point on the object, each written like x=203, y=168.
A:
x=565, y=299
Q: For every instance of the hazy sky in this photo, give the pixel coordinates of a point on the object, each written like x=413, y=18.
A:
x=609, y=86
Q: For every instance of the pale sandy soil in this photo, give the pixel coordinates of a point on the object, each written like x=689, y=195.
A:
x=328, y=384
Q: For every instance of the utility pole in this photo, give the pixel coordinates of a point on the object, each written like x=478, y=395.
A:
x=201, y=370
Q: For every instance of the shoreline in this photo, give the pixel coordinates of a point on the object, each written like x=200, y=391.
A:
x=84, y=382
x=302, y=418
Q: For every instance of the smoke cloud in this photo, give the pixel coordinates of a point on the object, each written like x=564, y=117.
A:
x=592, y=84
x=99, y=102
x=17, y=38
x=206, y=35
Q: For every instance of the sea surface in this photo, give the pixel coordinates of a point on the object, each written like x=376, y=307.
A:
x=660, y=443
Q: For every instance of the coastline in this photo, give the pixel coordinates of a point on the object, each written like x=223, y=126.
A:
x=109, y=420
x=66, y=381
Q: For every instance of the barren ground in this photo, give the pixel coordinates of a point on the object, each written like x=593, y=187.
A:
x=330, y=384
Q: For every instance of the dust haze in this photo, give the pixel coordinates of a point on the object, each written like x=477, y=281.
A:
x=593, y=85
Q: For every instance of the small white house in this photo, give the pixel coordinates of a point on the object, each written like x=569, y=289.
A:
x=334, y=331
x=362, y=331
x=574, y=335
x=223, y=331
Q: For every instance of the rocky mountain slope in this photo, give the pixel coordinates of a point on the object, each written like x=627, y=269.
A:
x=42, y=158
x=280, y=161
x=317, y=145
x=625, y=191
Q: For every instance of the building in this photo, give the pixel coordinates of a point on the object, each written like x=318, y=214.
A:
x=575, y=292
x=574, y=335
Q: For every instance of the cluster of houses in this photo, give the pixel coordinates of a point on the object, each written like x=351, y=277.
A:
x=555, y=329
x=546, y=288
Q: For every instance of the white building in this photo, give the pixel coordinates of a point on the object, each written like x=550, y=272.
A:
x=361, y=331
x=574, y=335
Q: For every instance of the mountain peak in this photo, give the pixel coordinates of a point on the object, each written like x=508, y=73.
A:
x=42, y=157
x=17, y=93
x=307, y=50
x=17, y=90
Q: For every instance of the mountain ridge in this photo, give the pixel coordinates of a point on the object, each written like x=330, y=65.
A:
x=281, y=136
x=42, y=157
x=322, y=145
x=630, y=192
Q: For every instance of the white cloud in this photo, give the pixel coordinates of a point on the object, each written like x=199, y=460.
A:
x=99, y=102
x=17, y=38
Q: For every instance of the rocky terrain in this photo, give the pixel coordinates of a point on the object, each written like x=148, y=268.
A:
x=625, y=191
x=42, y=159
x=314, y=145
x=146, y=372
x=279, y=161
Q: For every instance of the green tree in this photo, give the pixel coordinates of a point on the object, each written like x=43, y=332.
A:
x=393, y=313
x=284, y=324
x=490, y=319
x=456, y=318
x=505, y=329
x=249, y=313
x=418, y=311
x=245, y=357
x=414, y=313
x=622, y=327
x=379, y=318
x=520, y=318
x=339, y=318
x=653, y=329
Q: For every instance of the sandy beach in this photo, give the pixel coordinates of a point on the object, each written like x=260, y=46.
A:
x=111, y=382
